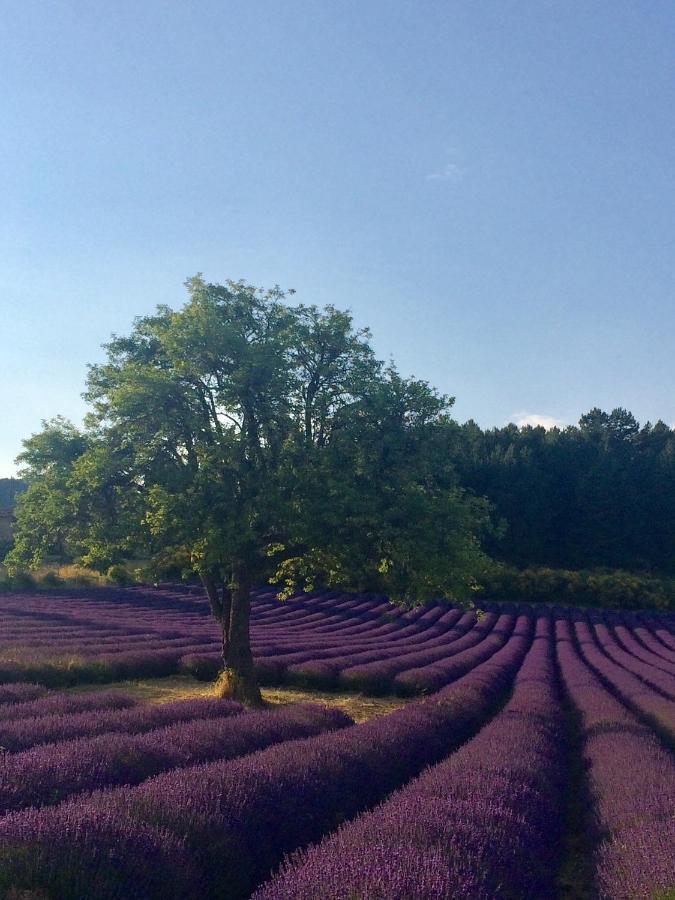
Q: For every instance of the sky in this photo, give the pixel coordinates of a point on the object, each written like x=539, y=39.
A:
x=489, y=186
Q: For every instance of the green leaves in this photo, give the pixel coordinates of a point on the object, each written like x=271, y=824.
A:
x=240, y=431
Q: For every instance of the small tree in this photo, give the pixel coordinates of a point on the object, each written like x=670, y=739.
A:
x=266, y=442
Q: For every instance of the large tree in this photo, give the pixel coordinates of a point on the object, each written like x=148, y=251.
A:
x=262, y=441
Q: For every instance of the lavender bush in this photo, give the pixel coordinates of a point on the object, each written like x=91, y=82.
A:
x=631, y=779
x=19, y=734
x=48, y=774
x=239, y=818
x=484, y=824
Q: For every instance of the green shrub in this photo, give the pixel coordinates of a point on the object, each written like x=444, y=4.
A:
x=22, y=581
x=609, y=589
x=118, y=574
x=51, y=580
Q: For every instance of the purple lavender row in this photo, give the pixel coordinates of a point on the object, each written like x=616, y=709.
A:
x=642, y=699
x=92, y=646
x=20, y=734
x=388, y=636
x=49, y=774
x=662, y=634
x=378, y=667
x=236, y=820
x=405, y=640
x=656, y=678
x=640, y=627
x=483, y=824
x=116, y=644
x=426, y=668
x=62, y=703
x=99, y=669
x=325, y=667
x=379, y=676
x=376, y=673
x=351, y=605
x=631, y=778
x=635, y=642
x=302, y=659
x=359, y=611
x=430, y=678
x=20, y=693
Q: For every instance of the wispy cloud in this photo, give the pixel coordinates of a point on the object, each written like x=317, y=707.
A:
x=449, y=172
x=534, y=419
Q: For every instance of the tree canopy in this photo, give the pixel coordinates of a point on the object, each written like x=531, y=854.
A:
x=262, y=441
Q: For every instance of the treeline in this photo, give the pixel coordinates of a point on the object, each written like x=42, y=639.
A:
x=597, y=495
x=600, y=494
x=10, y=488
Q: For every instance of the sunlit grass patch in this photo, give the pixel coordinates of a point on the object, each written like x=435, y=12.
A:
x=181, y=687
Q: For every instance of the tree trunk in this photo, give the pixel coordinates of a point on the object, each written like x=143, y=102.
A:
x=238, y=680
x=227, y=612
x=220, y=607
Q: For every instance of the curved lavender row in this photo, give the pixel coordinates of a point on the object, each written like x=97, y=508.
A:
x=49, y=774
x=300, y=606
x=20, y=734
x=373, y=670
x=153, y=860
x=392, y=634
x=639, y=625
x=370, y=672
x=358, y=618
x=326, y=667
x=329, y=613
x=335, y=625
x=20, y=693
x=379, y=676
x=368, y=668
x=60, y=644
x=481, y=825
x=323, y=665
x=342, y=626
x=632, y=780
x=433, y=625
x=426, y=679
x=298, y=653
x=296, y=645
x=59, y=703
x=662, y=634
x=94, y=669
x=630, y=641
x=635, y=693
x=239, y=818
x=656, y=678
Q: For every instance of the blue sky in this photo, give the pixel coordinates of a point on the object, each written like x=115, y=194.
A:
x=488, y=185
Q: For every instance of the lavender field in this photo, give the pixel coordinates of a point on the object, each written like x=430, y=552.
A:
x=534, y=758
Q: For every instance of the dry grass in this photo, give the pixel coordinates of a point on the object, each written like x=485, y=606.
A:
x=183, y=687
x=359, y=706
x=73, y=575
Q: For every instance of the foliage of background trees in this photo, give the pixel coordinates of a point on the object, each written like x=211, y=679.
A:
x=10, y=488
x=600, y=494
x=597, y=495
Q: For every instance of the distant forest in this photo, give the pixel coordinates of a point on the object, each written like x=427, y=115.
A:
x=600, y=494
x=597, y=495
x=9, y=489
